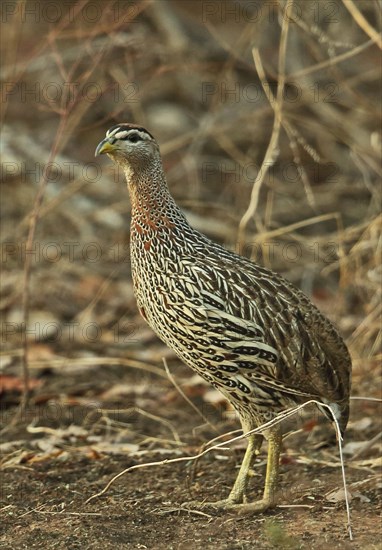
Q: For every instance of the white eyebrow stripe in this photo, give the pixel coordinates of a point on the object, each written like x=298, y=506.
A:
x=123, y=134
x=111, y=133
x=120, y=133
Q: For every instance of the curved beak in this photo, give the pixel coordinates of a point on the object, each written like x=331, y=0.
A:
x=104, y=147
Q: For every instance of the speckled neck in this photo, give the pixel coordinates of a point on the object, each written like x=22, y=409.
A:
x=152, y=207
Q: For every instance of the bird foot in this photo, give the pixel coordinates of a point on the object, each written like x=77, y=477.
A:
x=230, y=506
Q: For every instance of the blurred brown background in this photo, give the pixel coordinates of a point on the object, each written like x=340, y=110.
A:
x=186, y=71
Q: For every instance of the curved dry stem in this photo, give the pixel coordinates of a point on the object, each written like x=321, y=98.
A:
x=363, y=23
x=276, y=103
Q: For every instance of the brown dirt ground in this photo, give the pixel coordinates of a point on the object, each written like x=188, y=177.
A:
x=49, y=474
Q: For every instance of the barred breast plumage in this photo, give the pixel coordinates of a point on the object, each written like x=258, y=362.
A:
x=244, y=328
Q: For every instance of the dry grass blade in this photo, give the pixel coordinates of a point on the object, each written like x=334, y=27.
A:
x=331, y=62
x=363, y=23
x=181, y=392
x=95, y=361
x=276, y=103
x=28, y=266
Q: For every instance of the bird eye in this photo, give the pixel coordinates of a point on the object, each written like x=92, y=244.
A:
x=133, y=138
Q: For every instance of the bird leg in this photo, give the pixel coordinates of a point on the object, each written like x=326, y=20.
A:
x=236, y=500
x=238, y=491
x=271, y=477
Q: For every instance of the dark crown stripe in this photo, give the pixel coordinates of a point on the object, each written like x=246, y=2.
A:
x=124, y=126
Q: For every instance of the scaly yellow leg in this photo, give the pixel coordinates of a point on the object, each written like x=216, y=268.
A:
x=238, y=491
x=271, y=476
x=236, y=500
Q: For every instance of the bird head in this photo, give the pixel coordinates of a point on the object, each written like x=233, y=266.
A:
x=128, y=144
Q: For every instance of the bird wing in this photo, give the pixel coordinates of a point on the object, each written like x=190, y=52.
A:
x=258, y=324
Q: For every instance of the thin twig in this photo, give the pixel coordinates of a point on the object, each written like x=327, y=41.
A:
x=376, y=399
x=362, y=22
x=28, y=267
x=161, y=421
x=271, y=152
x=181, y=392
x=298, y=225
x=332, y=61
x=98, y=361
x=367, y=445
